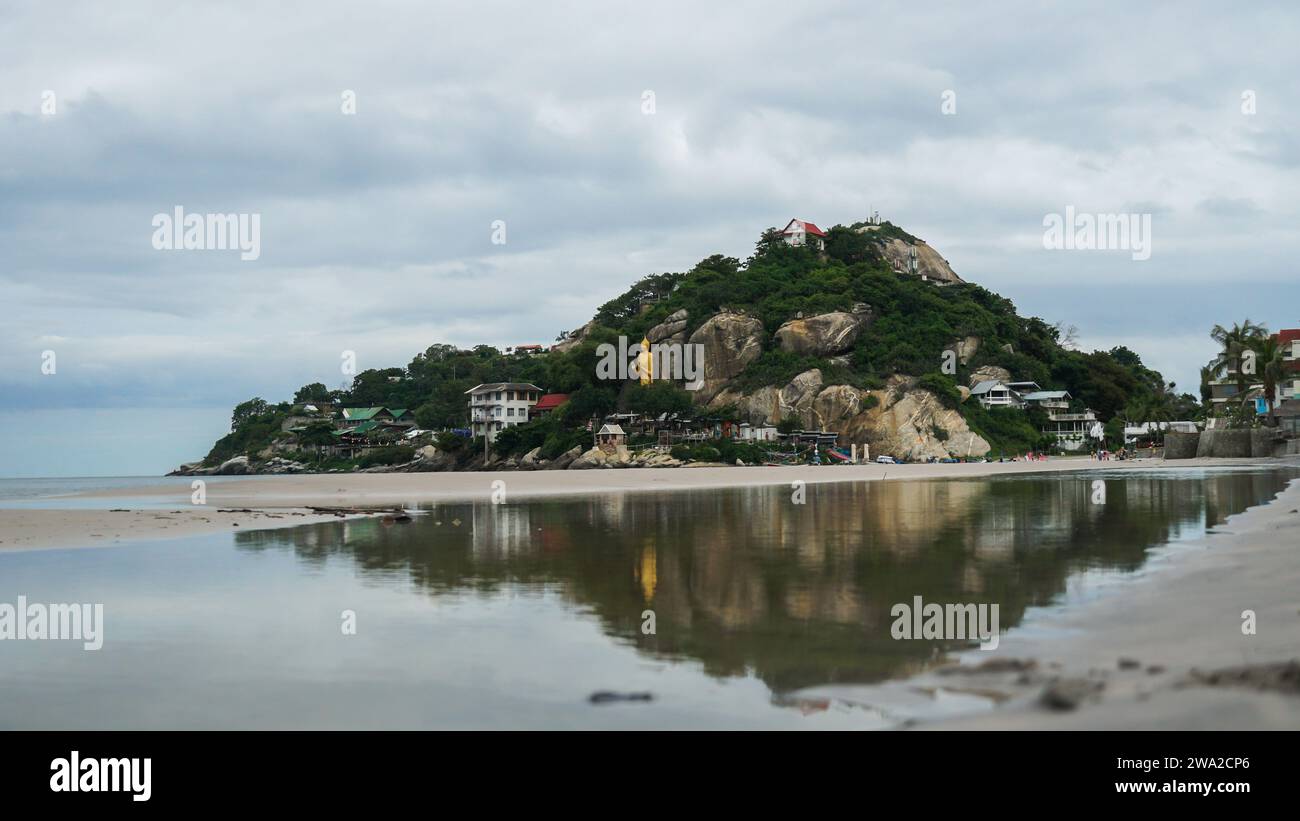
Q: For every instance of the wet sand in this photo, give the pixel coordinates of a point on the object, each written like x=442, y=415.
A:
x=1163, y=649
x=47, y=529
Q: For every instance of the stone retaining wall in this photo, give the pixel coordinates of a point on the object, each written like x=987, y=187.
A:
x=1224, y=444
x=1181, y=445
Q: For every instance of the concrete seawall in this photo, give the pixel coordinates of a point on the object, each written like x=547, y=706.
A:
x=1181, y=445
x=1225, y=444
x=1261, y=442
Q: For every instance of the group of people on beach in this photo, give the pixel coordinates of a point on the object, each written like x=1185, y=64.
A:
x=1032, y=456
x=1107, y=455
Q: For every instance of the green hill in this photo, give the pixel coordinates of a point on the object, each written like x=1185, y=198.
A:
x=912, y=323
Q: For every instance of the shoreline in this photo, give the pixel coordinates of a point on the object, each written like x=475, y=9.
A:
x=283, y=500
x=1160, y=650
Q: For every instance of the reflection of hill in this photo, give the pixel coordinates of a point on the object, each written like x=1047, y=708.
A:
x=800, y=594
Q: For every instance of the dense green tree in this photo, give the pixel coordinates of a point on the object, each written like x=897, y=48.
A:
x=315, y=392
x=246, y=411
x=657, y=398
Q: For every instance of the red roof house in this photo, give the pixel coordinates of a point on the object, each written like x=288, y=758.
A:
x=797, y=232
x=548, y=403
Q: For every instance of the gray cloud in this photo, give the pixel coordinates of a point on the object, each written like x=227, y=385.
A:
x=376, y=227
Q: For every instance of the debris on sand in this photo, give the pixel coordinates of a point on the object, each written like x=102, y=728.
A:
x=610, y=697
x=994, y=665
x=1281, y=677
x=1069, y=693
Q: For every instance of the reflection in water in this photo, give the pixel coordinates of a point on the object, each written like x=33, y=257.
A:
x=745, y=582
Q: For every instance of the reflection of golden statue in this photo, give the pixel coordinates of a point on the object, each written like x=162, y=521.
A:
x=645, y=362
x=648, y=573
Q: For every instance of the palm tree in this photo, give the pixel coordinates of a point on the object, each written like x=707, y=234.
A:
x=1269, y=365
x=1233, y=343
x=1155, y=409
x=1207, y=392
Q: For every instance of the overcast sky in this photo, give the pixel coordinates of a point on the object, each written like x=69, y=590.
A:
x=376, y=227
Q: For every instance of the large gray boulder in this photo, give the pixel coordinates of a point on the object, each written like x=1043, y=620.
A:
x=597, y=458
x=672, y=329
x=565, y=459
x=929, y=264
x=987, y=373
x=238, y=466
x=824, y=334
x=730, y=342
x=796, y=399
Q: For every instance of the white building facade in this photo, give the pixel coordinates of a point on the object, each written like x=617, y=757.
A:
x=495, y=406
x=994, y=394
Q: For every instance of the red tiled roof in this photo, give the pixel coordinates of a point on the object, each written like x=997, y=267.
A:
x=551, y=401
x=808, y=227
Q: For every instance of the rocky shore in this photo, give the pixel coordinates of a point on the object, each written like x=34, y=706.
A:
x=430, y=459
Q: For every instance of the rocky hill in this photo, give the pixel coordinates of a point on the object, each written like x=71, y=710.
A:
x=854, y=338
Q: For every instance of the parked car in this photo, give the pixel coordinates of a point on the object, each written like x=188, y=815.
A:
x=886, y=460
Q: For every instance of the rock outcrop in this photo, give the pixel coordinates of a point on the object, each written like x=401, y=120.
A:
x=824, y=334
x=277, y=464
x=672, y=329
x=192, y=469
x=621, y=457
x=913, y=424
x=795, y=400
x=987, y=372
x=574, y=338
x=965, y=348
x=898, y=253
x=730, y=342
x=565, y=459
x=238, y=466
x=898, y=420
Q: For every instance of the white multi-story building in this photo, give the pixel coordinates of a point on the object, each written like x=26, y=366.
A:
x=499, y=405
